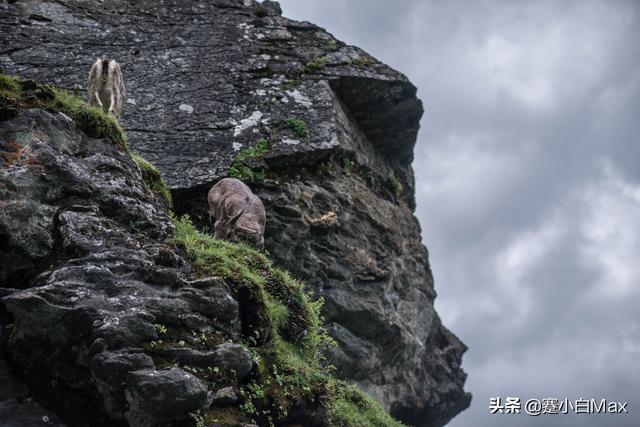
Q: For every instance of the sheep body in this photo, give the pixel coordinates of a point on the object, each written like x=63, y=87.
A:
x=105, y=86
x=236, y=213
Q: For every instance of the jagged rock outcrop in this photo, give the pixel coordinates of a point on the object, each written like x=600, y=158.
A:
x=112, y=313
x=322, y=132
x=80, y=207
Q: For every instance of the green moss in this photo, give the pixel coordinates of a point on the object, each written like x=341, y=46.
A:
x=290, y=364
x=240, y=170
x=332, y=45
x=92, y=120
x=10, y=87
x=19, y=94
x=369, y=178
x=260, y=149
x=153, y=179
x=351, y=407
x=315, y=64
x=288, y=307
x=298, y=126
x=348, y=165
x=395, y=184
x=363, y=61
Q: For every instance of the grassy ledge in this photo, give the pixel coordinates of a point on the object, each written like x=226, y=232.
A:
x=286, y=335
x=17, y=94
x=152, y=177
x=282, y=324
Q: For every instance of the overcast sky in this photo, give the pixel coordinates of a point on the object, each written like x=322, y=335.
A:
x=528, y=187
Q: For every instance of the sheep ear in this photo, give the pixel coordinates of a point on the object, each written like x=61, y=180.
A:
x=237, y=216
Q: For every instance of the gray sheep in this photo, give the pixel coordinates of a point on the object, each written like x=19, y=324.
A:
x=236, y=213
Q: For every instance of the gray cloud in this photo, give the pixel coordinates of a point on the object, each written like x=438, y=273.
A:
x=528, y=186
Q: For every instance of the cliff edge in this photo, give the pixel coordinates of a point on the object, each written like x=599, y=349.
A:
x=320, y=130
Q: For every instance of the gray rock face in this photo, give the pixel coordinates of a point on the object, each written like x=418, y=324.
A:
x=233, y=359
x=17, y=406
x=93, y=283
x=225, y=396
x=207, y=80
x=157, y=396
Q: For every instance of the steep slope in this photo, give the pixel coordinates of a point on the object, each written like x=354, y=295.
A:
x=113, y=313
x=322, y=131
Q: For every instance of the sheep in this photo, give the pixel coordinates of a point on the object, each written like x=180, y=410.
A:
x=236, y=213
x=106, y=86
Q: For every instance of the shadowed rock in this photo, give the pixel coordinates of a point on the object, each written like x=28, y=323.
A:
x=157, y=396
x=206, y=81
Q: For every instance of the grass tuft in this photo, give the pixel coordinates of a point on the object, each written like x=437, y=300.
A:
x=9, y=87
x=315, y=64
x=352, y=407
x=332, y=46
x=298, y=126
x=154, y=180
x=395, y=184
x=239, y=168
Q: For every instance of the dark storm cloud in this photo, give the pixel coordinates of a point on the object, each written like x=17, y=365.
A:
x=528, y=186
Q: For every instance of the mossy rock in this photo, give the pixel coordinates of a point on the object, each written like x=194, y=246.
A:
x=239, y=168
x=395, y=185
x=292, y=383
x=17, y=94
x=298, y=126
x=153, y=179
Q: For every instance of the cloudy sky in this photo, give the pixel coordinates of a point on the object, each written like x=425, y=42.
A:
x=528, y=187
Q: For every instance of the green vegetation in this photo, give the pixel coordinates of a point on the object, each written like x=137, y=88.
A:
x=352, y=407
x=389, y=187
x=332, y=45
x=299, y=126
x=152, y=178
x=395, y=184
x=161, y=329
x=285, y=334
x=245, y=173
x=198, y=421
x=19, y=94
x=315, y=65
x=281, y=321
x=368, y=177
x=260, y=149
x=9, y=86
x=363, y=61
x=348, y=165
x=240, y=170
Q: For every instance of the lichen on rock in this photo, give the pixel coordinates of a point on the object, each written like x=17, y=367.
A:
x=210, y=81
x=115, y=313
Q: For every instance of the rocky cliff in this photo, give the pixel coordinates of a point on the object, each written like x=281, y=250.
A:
x=322, y=131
